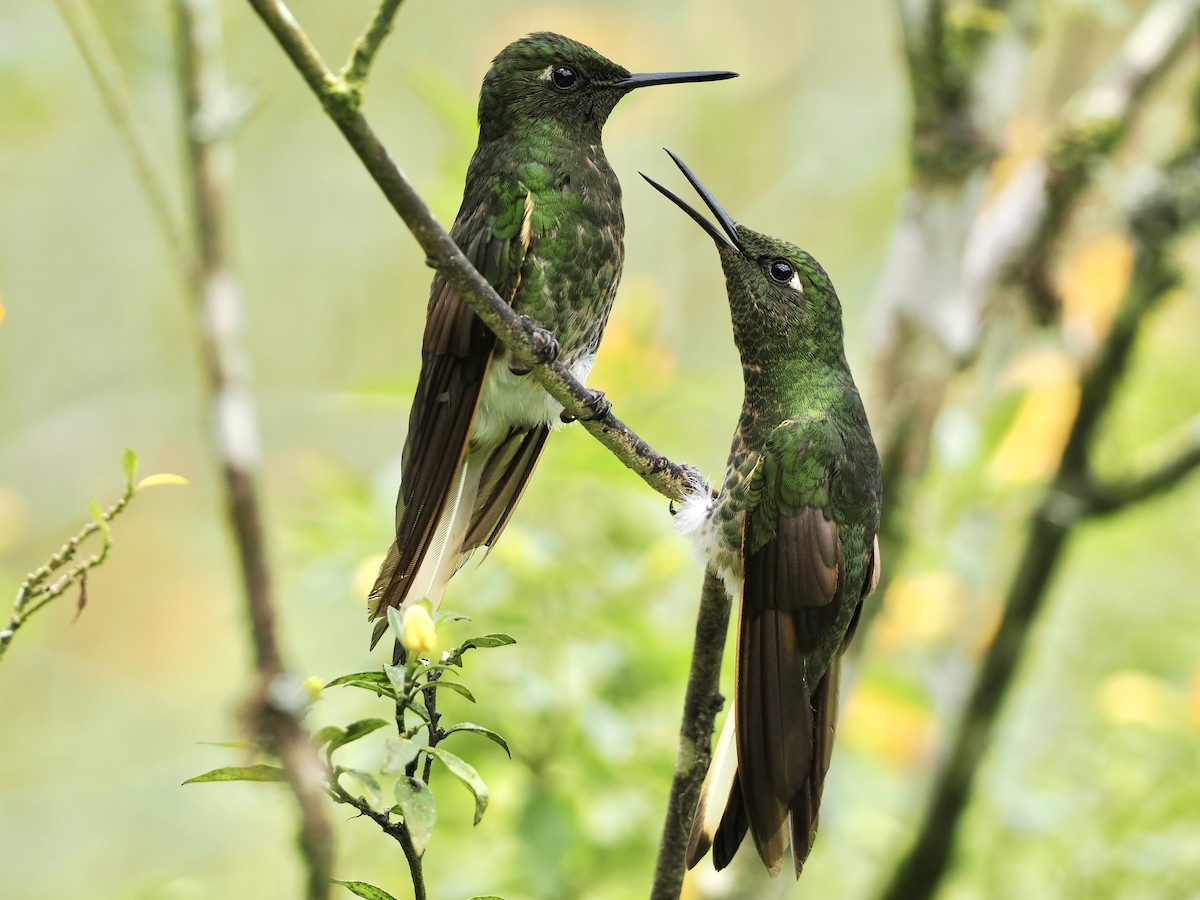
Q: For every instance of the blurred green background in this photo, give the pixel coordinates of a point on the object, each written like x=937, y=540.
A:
x=1093, y=788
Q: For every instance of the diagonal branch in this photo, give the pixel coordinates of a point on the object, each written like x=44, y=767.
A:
x=1105, y=498
x=94, y=49
x=340, y=102
x=358, y=67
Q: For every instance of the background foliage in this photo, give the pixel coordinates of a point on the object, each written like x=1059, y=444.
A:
x=1092, y=789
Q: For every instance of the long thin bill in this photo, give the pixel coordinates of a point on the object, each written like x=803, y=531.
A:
x=646, y=79
x=727, y=223
x=708, y=226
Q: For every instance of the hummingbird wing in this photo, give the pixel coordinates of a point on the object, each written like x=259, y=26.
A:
x=803, y=581
x=494, y=231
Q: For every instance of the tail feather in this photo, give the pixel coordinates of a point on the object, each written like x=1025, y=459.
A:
x=715, y=796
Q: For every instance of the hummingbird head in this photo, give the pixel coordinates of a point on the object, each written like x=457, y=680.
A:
x=781, y=299
x=548, y=78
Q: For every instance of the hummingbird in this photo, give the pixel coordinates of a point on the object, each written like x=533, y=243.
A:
x=541, y=220
x=792, y=532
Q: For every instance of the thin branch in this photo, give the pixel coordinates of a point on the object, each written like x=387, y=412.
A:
x=34, y=593
x=358, y=67
x=396, y=830
x=701, y=704
x=216, y=298
x=1174, y=208
x=1106, y=498
x=94, y=49
x=515, y=332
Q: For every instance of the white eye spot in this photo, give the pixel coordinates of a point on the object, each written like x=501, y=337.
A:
x=795, y=284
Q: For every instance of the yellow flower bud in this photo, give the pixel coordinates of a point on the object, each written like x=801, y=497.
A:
x=312, y=687
x=418, y=634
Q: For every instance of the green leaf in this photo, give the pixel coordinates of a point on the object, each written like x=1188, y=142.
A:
x=486, y=897
x=395, y=620
x=367, y=780
x=356, y=730
x=233, y=745
x=454, y=686
x=261, y=772
x=495, y=639
x=396, y=677
x=448, y=615
x=402, y=751
x=362, y=889
x=419, y=810
x=327, y=734
x=129, y=464
x=376, y=682
x=486, y=732
x=98, y=517
x=464, y=772
x=161, y=478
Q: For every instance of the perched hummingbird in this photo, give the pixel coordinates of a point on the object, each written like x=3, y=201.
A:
x=793, y=534
x=541, y=220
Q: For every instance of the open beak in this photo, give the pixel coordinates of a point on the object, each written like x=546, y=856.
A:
x=646, y=79
x=727, y=236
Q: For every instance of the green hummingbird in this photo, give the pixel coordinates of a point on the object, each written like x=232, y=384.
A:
x=792, y=532
x=541, y=220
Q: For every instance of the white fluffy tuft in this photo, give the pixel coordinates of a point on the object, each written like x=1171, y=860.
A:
x=691, y=515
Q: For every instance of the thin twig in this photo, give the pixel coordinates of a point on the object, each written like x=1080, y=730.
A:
x=358, y=67
x=1068, y=500
x=701, y=704
x=216, y=299
x=515, y=332
x=396, y=830
x=95, y=50
x=34, y=593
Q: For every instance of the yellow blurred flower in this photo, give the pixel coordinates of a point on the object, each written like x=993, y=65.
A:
x=418, y=633
x=312, y=687
x=1193, y=698
x=365, y=574
x=1092, y=283
x=1035, y=440
x=1129, y=697
x=887, y=725
x=924, y=607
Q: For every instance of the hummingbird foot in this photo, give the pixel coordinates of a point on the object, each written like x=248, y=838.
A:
x=598, y=407
x=545, y=348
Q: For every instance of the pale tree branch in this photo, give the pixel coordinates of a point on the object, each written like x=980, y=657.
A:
x=1173, y=208
x=948, y=254
x=97, y=54
x=215, y=296
x=1104, y=498
x=343, y=105
x=701, y=703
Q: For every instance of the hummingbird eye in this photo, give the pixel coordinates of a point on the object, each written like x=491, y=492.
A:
x=563, y=77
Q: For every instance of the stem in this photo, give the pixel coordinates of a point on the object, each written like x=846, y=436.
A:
x=701, y=704
x=358, y=67
x=396, y=830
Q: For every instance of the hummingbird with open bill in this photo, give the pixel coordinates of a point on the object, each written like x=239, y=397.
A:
x=541, y=220
x=792, y=532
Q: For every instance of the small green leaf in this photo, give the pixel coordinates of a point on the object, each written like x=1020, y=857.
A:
x=395, y=620
x=486, y=897
x=356, y=730
x=448, y=615
x=367, y=780
x=396, y=677
x=261, y=772
x=233, y=745
x=327, y=734
x=419, y=810
x=402, y=751
x=495, y=639
x=160, y=479
x=362, y=889
x=454, y=686
x=486, y=732
x=376, y=682
x=464, y=772
x=98, y=517
x=129, y=464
